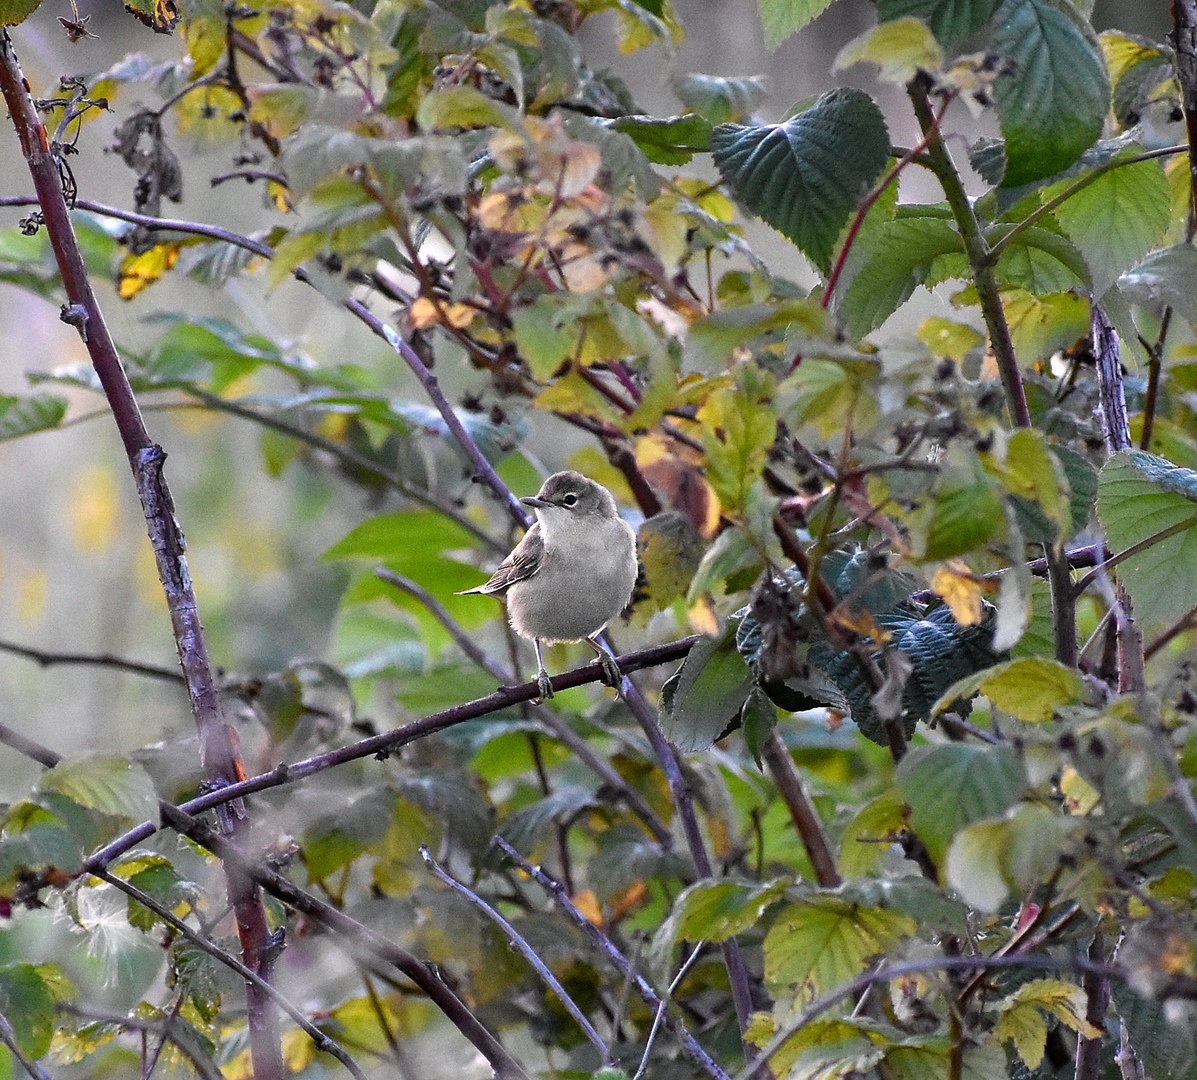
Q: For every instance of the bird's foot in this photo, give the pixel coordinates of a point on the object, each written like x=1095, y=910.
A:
x=544, y=686
x=612, y=676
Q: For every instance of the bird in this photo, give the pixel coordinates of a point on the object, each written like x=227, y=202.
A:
x=571, y=574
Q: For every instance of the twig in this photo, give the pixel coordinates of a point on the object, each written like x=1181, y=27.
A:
x=8, y=1038
x=108, y=660
x=802, y=811
x=674, y=983
x=616, y=959
x=1155, y=364
x=323, y=1042
x=917, y=967
x=1184, y=40
x=1176, y=629
x=980, y=256
x=517, y=941
x=218, y=752
x=386, y=743
x=558, y=726
x=1097, y=997
x=179, y=1034
x=683, y=803
x=1130, y=552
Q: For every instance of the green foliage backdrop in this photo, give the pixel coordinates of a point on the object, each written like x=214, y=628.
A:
x=899, y=779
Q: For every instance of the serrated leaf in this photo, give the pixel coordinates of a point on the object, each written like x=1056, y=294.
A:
x=900, y=47
x=889, y=267
x=781, y=18
x=1117, y=219
x=1030, y=688
x=1042, y=262
x=1164, y=279
x=952, y=21
x=1139, y=495
x=714, y=682
x=108, y=784
x=1052, y=109
x=24, y=415
x=963, y=517
x=827, y=940
x=861, y=846
x=805, y=176
x=951, y=786
x=1041, y=325
x=1020, y=1021
x=464, y=107
x=712, y=339
x=737, y=435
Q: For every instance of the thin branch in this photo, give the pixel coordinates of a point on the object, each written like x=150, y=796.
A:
x=8, y=1038
x=878, y=190
x=385, y=743
x=917, y=967
x=48, y=659
x=518, y=942
x=616, y=959
x=581, y=748
x=170, y=1027
x=1130, y=552
x=802, y=811
x=1184, y=40
x=1155, y=364
x=323, y=1042
x=683, y=802
x=358, y=939
x=1186, y=622
x=980, y=256
x=218, y=751
x=1077, y=185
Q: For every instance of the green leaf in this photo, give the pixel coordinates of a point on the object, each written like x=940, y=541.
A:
x=1042, y=262
x=861, y=846
x=110, y=785
x=973, y=865
x=963, y=517
x=670, y=140
x=737, y=435
x=781, y=18
x=1052, y=108
x=805, y=176
x=827, y=940
x=952, y=21
x=464, y=107
x=713, y=684
x=1117, y=219
x=1140, y=495
x=1041, y=325
x=13, y=12
x=950, y=786
x=399, y=538
x=28, y=1005
x=1164, y=279
x=890, y=265
x=733, y=550
x=721, y=100
x=717, y=910
x=712, y=339
x=1030, y=688
x=25, y=415
x=900, y=48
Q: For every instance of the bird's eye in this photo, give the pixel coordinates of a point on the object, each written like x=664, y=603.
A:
x=569, y=500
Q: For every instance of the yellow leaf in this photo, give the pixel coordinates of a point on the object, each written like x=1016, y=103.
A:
x=298, y=1049
x=587, y=903
x=946, y=338
x=702, y=617
x=1080, y=796
x=425, y=313
x=961, y=590
x=1021, y=1021
x=138, y=271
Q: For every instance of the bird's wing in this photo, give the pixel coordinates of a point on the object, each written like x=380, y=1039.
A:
x=520, y=565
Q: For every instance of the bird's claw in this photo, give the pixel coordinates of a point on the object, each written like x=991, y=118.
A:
x=543, y=685
x=612, y=676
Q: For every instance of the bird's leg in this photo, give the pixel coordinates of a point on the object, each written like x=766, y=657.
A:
x=612, y=676
x=542, y=675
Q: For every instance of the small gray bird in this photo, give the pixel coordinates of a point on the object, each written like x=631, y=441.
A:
x=571, y=574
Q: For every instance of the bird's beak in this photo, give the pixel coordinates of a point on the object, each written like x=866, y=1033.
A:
x=535, y=500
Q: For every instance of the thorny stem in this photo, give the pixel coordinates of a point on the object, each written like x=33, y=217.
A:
x=518, y=942
x=604, y=944
x=980, y=256
x=1184, y=40
x=218, y=751
x=1097, y=997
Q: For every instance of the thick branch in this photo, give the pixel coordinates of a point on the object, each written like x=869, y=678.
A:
x=218, y=752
